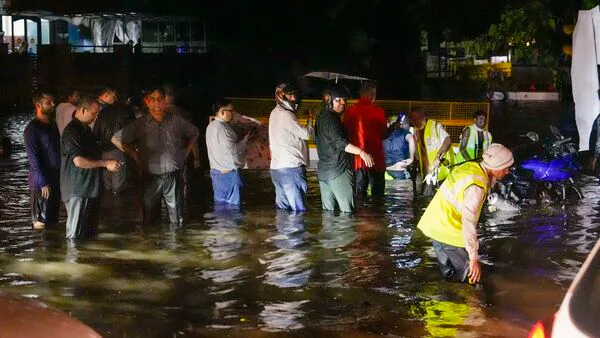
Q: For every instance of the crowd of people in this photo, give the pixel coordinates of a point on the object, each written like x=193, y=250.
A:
x=94, y=144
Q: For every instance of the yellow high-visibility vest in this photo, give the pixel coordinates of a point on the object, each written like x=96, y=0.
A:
x=442, y=220
x=432, y=145
x=473, y=143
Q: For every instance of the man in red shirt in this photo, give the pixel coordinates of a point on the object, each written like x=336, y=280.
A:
x=366, y=127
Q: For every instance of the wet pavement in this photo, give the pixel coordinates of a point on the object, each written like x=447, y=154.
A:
x=264, y=273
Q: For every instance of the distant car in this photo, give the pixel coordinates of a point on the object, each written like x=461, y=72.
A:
x=26, y=318
x=579, y=312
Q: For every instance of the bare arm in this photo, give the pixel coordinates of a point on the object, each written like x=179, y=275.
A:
x=366, y=157
x=86, y=163
x=117, y=142
x=444, y=148
x=411, y=149
x=473, y=201
x=464, y=140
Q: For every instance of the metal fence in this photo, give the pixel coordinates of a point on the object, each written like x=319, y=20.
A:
x=454, y=115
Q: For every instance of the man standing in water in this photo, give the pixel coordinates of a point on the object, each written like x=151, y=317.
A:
x=159, y=143
x=335, y=164
x=81, y=162
x=450, y=220
x=289, y=150
x=110, y=120
x=366, y=126
x=433, y=144
x=474, y=139
x=226, y=154
x=42, y=143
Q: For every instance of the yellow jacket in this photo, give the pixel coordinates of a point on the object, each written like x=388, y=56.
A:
x=442, y=220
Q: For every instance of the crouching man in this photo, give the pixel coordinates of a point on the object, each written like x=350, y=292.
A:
x=451, y=217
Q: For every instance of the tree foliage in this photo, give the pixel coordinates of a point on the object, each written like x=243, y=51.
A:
x=528, y=32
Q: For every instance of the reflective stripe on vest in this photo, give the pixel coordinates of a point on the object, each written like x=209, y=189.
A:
x=442, y=220
x=432, y=145
x=473, y=142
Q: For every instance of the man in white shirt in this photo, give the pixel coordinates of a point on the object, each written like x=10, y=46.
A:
x=65, y=111
x=289, y=150
x=226, y=154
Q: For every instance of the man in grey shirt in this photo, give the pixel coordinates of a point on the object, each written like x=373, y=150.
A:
x=226, y=154
x=159, y=144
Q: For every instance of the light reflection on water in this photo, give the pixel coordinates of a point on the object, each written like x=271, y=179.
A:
x=240, y=272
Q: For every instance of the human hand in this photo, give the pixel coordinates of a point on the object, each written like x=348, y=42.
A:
x=46, y=191
x=309, y=117
x=248, y=134
x=474, y=271
x=367, y=158
x=112, y=165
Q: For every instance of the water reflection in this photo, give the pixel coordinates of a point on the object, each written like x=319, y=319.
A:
x=232, y=272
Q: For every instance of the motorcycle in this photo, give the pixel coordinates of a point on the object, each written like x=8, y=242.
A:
x=543, y=171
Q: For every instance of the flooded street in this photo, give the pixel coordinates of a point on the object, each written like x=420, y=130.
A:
x=264, y=273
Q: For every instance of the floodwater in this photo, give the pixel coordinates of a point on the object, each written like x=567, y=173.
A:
x=263, y=273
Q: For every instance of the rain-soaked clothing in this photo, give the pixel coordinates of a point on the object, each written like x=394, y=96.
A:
x=366, y=127
x=451, y=217
x=227, y=186
x=226, y=154
x=42, y=143
x=290, y=188
x=80, y=188
x=162, y=148
x=289, y=158
x=334, y=171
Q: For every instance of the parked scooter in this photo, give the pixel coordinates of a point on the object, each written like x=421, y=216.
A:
x=543, y=171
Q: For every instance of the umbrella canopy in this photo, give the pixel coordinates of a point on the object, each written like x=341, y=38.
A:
x=335, y=76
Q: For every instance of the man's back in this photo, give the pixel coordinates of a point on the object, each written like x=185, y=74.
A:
x=366, y=127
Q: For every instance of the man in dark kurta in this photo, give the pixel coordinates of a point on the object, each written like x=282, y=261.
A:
x=42, y=143
x=81, y=164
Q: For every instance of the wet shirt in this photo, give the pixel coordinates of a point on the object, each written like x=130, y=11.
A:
x=331, y=144
x=111, y=119
x=225, y=150
x=366, y=127
x=287, y=140
x=78, y=140
x=42, y=143
x=161, y=145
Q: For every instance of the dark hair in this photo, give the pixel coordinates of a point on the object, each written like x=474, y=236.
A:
x=335, y=90
x=103, y=90
x=220, y=104
x=153, y=89
x=478, y=113
x=38, y=95
x=86, y=101
x=367, y=86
